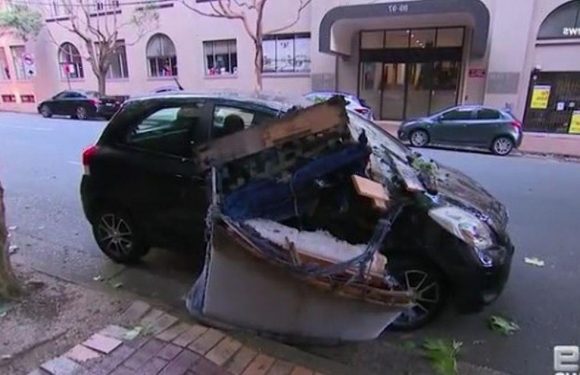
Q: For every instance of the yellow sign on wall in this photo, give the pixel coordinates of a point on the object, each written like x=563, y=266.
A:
x=540, y=97
x=575, y=123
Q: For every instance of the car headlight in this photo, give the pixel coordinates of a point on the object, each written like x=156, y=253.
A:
x=468, y=228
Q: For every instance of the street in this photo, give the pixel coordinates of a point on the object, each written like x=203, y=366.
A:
x=40, y=169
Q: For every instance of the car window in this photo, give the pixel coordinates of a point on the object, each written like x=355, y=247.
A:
x=231, y=119
x=457, y=114
x=61, y=95
x=170, y=130
x=488, y=114
x=73, y=95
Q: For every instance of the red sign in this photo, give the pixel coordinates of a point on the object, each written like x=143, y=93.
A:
x=476, y=73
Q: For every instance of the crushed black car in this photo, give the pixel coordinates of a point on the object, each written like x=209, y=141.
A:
x=146, y=184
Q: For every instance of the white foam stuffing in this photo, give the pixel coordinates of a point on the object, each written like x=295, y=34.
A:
x=320, y=244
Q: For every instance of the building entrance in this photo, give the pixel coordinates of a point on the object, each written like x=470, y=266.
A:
x=405, y=74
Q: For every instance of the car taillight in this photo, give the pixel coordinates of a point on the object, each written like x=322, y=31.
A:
x=87, y=156
x=362, y=111
x=517, y=124
x=96, y=102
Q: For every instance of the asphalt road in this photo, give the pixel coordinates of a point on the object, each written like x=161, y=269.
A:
x=40, y=169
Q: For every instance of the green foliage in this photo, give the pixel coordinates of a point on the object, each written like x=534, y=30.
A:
x=443, y=355
x=21, y=20
x=502, y=325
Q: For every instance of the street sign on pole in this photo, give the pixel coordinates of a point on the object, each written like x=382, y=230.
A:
x=29, y=65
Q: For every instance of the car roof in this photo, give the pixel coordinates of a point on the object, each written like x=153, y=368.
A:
x=275, y=101
x=471, y=107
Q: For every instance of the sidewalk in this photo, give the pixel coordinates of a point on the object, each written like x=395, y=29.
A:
x=562, y=145
x=150, y=341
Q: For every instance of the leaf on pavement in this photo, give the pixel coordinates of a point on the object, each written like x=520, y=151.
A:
x=443, y=355
x=117, y=285
x=98, y=278
x=502, y=325
x=12, y=249
x=534, y=261
x=132, y=333
x=12, y=228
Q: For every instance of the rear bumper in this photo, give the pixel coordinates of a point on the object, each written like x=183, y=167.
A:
x=107, y=111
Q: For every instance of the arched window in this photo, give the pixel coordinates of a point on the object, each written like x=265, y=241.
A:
x=70, y=61
x=161, y=56
x=562, y=23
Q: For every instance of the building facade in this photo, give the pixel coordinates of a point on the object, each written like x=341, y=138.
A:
x=404, y=58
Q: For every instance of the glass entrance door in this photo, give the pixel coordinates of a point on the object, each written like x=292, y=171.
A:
x=393, y=91
x=410, y=73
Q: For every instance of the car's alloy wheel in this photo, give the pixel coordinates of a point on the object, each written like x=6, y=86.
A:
x=81, y=113
x=118, y=238
x=502, y=146
x=45, y=111
x=427, y=285
x=419, y=138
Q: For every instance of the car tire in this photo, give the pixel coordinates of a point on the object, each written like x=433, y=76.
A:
x=118, y=237
x=429, y=284
x=502, y=146
x=81, y=113
x=45, y=111
x=419, y=138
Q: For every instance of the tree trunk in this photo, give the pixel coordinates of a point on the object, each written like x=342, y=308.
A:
x=102, y=82
x=9, y=286
x=258, y=64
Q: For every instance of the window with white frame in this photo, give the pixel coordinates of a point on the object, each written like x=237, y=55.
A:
x=18, y=53
x=4, y=69
x=221, y=57
x=161, y=56
x=108, y=5
x=70, y=62
x=118, y=68
x=286, y=53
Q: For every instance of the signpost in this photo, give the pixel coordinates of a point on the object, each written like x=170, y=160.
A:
x=29, y=65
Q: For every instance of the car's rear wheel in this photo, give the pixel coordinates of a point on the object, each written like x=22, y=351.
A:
x=81, y=113
x=118, y=237
x=45, y=111
x=428, y=284
x=502, y=146
x=419, y=138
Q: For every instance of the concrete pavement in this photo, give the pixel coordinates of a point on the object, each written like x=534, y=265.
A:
x=40, y=168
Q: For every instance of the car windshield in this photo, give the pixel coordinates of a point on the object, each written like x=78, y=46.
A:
x=378, y=138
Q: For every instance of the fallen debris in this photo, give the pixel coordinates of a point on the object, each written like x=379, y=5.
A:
x=502, y=325
x=132, y=333
x=12, y=228
x=534, y=261
x=98, y=278
x=12, y=249
x=443, y=355
x=117, y=285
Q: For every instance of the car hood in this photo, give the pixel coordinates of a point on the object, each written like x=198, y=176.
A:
x=454, y=187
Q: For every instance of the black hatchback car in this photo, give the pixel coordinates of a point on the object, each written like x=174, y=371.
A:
x=80, y=105
x=143, y=186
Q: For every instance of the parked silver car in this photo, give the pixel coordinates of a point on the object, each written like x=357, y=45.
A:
x=473, y=126
x=353, y=103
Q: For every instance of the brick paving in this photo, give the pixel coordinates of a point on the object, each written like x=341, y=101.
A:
x=165, y=346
